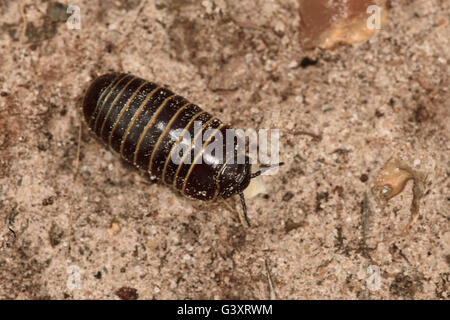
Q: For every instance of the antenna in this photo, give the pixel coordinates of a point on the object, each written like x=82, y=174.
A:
x=262, y=170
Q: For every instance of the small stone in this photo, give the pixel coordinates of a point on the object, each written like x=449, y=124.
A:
x=208, y=6
x=279, y=27
x=127, y=293
x=248, y=58
x=114, y=229
x=55, y=234
x=57, y=11
x=364, y=177
x=293, y=65
x=288, y=196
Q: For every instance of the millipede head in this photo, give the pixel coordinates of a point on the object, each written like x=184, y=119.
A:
x=234, y=179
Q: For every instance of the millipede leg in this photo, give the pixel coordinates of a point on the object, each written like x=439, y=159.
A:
x=244, y=208
x=77, y=159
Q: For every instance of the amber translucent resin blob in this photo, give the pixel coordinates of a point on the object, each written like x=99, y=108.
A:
x=391, y=181
x=327, y=23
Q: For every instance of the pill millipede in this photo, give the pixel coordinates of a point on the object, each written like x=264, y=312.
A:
x=146, y=124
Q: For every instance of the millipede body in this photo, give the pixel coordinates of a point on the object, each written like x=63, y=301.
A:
x=146, y=123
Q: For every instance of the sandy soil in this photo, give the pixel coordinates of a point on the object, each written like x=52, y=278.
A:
x=110, y=233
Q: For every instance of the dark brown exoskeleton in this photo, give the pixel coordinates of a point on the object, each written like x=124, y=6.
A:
x=148, y=125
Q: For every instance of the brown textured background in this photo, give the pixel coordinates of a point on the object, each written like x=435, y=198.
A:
x=318, y=227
